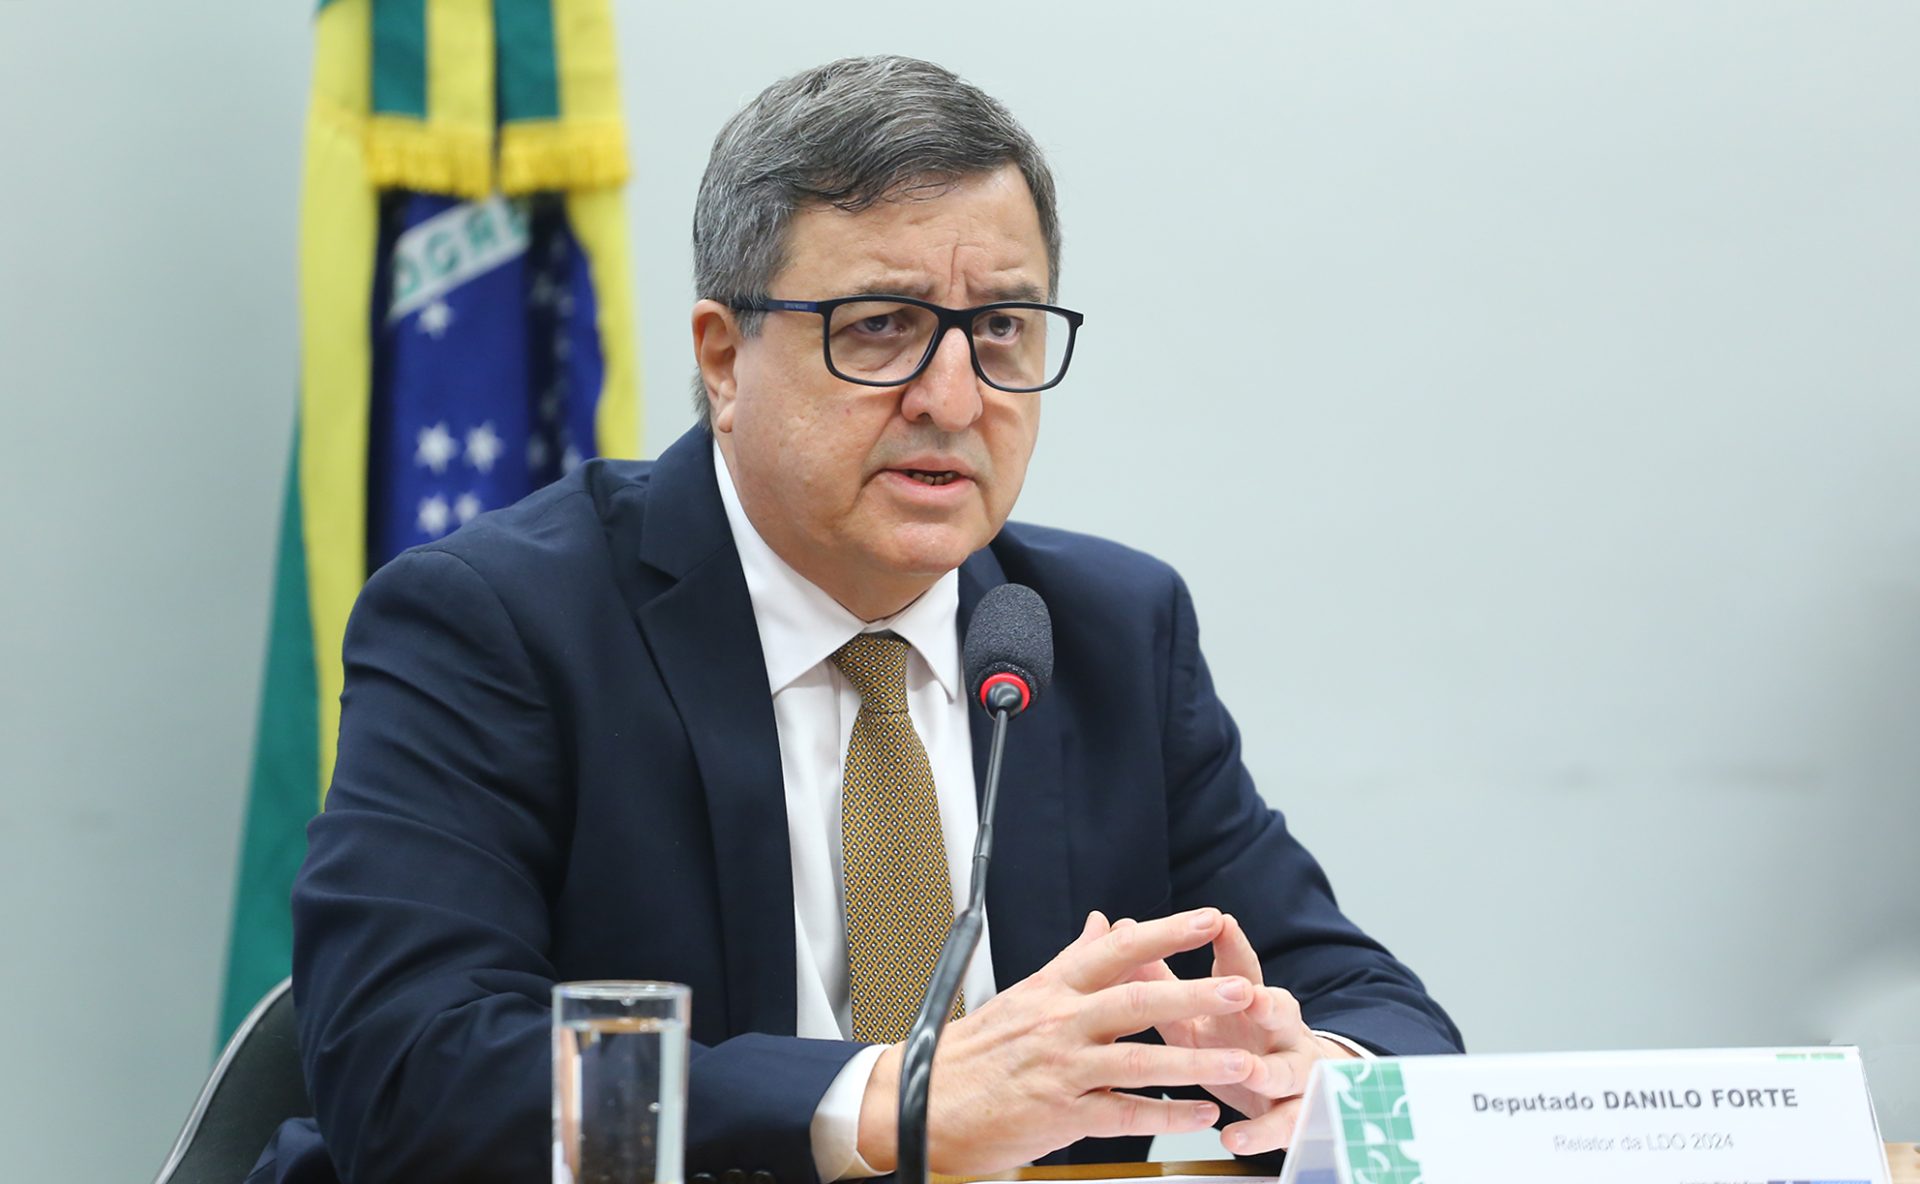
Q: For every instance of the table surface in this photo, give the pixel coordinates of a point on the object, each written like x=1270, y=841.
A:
x=1903, y=1158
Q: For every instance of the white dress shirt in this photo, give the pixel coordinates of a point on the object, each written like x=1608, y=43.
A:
x=813, y=711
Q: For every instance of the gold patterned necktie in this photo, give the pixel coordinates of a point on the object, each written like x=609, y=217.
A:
x=899, y=899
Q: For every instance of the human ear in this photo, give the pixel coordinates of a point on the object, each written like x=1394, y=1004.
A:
x=716, y=339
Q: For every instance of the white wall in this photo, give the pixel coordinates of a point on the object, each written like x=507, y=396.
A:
x=148, y=172
x=1530, y=394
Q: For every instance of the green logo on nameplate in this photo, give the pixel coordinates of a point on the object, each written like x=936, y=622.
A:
x=1375, y=1122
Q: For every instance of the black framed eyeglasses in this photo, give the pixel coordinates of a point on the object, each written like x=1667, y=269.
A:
x=875, y=340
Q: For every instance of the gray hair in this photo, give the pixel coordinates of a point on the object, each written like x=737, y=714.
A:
x=847, y=134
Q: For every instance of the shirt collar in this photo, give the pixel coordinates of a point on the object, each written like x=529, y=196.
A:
x=801, y=626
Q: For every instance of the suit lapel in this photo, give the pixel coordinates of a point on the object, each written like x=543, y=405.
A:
x=690, y=599
x=1029, y=892
x=677, y=567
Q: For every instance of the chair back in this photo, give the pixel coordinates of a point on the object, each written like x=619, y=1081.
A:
x=255, y=1086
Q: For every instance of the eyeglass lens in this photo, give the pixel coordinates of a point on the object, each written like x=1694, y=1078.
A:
x=881, y=341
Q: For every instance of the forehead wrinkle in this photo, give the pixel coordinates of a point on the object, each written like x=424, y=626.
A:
x=1005, y=266
x=1010, y=281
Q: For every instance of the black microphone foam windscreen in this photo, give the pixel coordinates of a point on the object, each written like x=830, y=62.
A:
x=1010, y=633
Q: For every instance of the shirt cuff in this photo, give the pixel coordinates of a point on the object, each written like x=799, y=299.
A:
x=1364, y=1053
x=836, y=1121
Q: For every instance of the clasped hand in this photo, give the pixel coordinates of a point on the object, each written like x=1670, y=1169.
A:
x=1039, y=1065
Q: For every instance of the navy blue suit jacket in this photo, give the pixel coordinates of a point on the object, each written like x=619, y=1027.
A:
x=558, y=761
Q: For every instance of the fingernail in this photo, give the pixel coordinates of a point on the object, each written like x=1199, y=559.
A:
x=1204, y=1113
x=1204, y=920
x=1236, y=1062
x=1235, y=1141
x=1233, y=990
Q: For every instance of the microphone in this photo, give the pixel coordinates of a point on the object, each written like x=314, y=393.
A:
x=1008, y=656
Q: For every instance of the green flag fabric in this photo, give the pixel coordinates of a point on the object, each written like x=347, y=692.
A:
x=474, y=119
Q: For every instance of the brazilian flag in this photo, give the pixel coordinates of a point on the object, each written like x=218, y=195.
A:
x=466, y=335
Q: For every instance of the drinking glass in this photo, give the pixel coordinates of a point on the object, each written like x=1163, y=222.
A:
x=619, y=1082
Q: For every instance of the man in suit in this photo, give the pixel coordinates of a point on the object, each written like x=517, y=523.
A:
x=701, y=720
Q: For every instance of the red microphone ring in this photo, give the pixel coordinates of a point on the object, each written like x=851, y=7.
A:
x=993, y=681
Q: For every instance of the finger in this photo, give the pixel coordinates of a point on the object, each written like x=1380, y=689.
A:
x=1276, y=1010
x=1128, y=943
x=1136, y=1066
x=1269, y=1132
x=1283, y=1074
x=1136, y=1006
x=1233, y=953
x=1096, y=926
x=1185, y=1033
x=1103, y=1114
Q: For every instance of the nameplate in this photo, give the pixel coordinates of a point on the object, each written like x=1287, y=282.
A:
x=1729, y=1116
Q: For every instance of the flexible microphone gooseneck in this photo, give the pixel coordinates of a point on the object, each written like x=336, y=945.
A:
x=1008, y=656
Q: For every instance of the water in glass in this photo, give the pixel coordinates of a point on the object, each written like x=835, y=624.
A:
x=626, y=1079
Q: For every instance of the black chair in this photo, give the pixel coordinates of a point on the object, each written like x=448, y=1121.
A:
x=255, y=1086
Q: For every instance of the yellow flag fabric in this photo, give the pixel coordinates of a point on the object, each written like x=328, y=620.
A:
x=475, y=97
x=468, y=100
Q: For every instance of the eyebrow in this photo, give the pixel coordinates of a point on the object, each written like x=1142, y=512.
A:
x=1020, y=290
x=922, y=289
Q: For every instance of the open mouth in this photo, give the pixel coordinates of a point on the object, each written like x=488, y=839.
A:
x=928, y=477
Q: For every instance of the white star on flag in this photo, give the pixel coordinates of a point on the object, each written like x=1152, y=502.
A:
x=433, y=516
x=466, y=507
x=435, y=318
x=437, y=447
x=536, y=452
x=570, y=461
x=483, y=448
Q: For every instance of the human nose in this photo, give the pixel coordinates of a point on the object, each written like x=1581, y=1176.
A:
x=947, y=392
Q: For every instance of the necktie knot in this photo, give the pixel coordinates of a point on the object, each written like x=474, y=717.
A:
x=876, y=665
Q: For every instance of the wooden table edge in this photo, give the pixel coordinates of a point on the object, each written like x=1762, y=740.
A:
x=1116, y=1171
x=1903, y=1162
